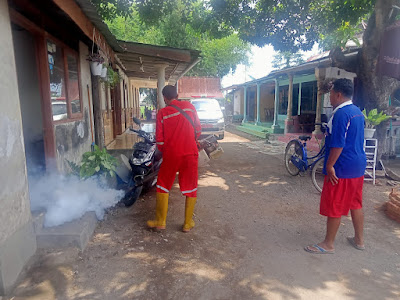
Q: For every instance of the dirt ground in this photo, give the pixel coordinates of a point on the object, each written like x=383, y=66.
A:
x=252, y=222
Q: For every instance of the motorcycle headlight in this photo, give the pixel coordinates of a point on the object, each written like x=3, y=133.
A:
x=141, y=157
x=220, y=121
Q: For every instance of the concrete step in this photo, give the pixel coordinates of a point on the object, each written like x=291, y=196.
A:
x=251, y=131
x=72, y=234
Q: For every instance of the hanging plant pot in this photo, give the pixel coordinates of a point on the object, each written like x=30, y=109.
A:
x=96, y=68
x=104, y=72
x=369, y=133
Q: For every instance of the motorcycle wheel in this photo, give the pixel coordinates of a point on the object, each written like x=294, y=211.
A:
x=132, y=195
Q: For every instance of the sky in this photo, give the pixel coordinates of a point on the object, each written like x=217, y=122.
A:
x=260, y=65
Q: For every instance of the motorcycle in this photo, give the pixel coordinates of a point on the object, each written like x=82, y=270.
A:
x=139, y=173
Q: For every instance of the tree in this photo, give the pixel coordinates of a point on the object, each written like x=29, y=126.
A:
x=183, y=24
x=150, y=96
x=286, y=59
x=220, y=56
x=297, y=24
x=109, y=9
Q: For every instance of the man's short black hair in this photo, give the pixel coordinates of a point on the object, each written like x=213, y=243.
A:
x=343, y=86
x=169, y=92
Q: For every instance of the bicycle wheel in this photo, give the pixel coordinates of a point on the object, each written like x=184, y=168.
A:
x=293, y=148
x=317, y=176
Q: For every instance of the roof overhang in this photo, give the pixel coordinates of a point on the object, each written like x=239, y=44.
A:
x=307, y=67
x=143, y=61
x=139, y=61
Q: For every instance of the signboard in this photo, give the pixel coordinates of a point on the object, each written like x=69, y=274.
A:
x=389, y=56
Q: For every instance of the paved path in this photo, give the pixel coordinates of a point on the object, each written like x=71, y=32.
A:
x=252, y=222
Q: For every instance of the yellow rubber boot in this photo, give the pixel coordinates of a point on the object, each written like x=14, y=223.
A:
x=189, y=208
x=161, y=212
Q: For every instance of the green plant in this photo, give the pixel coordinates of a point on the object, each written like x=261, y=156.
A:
x=373, y=118
x=98, y=162
x=267, y=137
x=95, y=57
x=113, y=77
x=75, y=168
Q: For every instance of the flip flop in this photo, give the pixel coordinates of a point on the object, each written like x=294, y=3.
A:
x=354, y=244
x=319, y=250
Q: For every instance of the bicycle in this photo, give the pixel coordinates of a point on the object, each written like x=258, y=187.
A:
x=297, y=160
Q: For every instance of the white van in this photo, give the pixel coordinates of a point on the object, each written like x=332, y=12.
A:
x=211, y=117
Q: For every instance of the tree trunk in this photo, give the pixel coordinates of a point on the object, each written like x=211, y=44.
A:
x=375, y=89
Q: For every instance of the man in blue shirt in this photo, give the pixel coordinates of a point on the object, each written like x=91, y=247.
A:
x=344, y=167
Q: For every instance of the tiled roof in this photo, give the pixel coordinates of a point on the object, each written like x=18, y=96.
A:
x=196, y=87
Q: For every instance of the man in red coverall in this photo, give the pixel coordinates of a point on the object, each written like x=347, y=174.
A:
x=176, y=139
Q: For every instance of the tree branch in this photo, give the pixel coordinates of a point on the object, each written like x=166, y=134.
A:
x=339, y=60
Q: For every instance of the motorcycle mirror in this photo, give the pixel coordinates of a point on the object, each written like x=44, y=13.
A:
x=136, y=120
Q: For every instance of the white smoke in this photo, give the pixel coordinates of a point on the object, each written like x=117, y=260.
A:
x=66, y=198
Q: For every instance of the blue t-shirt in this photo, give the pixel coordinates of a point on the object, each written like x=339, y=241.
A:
x=347, y=132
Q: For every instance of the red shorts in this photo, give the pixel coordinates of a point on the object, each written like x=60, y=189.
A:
x=187, y=166
x=338, y=199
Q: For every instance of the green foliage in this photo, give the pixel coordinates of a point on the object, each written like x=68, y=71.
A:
x=220, y=56
x=373, y=118
x=98, y=162
x=186, y=24
x=339, y=37
x=113, y=78
x=75, y=168
x=286, y=59
x=292, y=24
x=151, y=96
x=267, y=137
x=109, y=9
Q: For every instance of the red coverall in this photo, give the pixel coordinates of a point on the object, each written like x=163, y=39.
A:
x=176, y=140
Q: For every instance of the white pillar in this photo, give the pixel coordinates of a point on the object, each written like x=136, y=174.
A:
x=320, y=75
x=289, y=120
x=160, y=84
x=276, y=125
x=245, y=105
x=258, y=103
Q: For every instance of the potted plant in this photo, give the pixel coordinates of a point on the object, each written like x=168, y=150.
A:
x=372, y=119
x=113, y=77
x=96, y=63
x=104, y=72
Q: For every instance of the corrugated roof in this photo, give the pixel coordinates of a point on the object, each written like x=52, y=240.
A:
x=323, y=61
x=138, y=59
x=91, y=12
x=141, y=60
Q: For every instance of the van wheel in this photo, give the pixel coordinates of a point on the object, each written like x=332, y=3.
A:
x=221, y=136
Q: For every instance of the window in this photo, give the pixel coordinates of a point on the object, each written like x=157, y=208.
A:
x=64, y=82
x=283, y=99
x=295, y=105
x=309, y=92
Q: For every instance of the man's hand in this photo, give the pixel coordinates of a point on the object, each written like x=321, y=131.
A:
x=331, y=174
x=330, y=170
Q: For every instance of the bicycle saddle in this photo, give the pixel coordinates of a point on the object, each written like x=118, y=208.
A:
x=305, y=138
